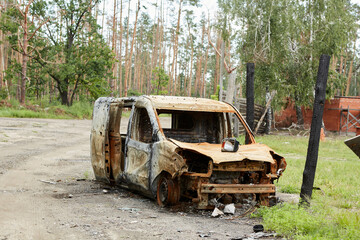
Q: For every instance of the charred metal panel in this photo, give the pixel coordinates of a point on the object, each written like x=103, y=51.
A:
x=137, y=164
x=354, y=144
x=138, y=147
x=256, y=152
x=242, y=166
x=99, y=138
x=115, y=148
x=189, y=104
x=165, y=159
x=237, y=188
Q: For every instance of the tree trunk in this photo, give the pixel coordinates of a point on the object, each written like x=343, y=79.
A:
x=132, y=46
x=175, y=48
x=191, y=65
x=112, y=79
x=64, y=97
x=199, y=65
x=154, y=40
x=126, y=51
x=103, y=18
x=299, y=115
x=203, y=88
x=217, y=65
x=120, y=50
x=349, y=79
x=231, y=88
x=24, y=59
x=2, y=58
x=221, y=70
x=269, y=115
x=198, y=75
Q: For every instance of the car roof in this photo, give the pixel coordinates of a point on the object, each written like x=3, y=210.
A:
x=189, y=104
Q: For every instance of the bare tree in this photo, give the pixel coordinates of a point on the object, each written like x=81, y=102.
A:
x=24, y=43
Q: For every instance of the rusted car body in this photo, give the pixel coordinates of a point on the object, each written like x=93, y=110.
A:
x=180, y=157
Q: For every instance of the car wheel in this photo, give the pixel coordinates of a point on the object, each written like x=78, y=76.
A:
x=168, y=191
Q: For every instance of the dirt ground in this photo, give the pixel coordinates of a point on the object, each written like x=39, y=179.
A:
x=47, y=191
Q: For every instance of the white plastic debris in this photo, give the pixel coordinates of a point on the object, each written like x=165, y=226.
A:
x=229, y=208
x=217, y=212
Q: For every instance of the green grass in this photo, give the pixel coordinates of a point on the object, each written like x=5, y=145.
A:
x=335, y=208
x=79, y=110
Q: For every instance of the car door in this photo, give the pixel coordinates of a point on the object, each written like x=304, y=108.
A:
x=138, y=149
x=114, y=147
x=99, y=139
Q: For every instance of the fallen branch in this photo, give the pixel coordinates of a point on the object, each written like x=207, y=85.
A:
x=266, y=109
x=228, y=68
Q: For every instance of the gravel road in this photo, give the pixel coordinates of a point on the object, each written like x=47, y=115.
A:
x=47, y=191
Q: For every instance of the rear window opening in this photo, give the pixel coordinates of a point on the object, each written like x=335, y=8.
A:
x=193, y=127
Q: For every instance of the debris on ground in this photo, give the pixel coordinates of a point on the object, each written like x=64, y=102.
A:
x=49, y=182
x=229, y=208
x=129, y=209
x=258, y=228
x=216, y=213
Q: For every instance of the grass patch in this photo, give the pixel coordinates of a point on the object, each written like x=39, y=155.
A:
x=79, y=110
x=335, y=208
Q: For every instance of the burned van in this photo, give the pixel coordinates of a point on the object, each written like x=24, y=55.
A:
x=180, y=147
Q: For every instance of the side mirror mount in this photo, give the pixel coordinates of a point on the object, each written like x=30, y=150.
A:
x=229, y=145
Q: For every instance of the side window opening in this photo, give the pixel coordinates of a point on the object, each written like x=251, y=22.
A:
x=125, y=118
x=232, y=122
x=142, y=128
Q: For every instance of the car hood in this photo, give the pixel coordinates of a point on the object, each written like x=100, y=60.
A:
x=254, y=152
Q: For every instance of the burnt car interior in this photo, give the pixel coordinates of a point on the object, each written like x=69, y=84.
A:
x=198, y=127
x=194, y=127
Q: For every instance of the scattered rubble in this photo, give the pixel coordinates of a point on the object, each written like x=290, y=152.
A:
x=217, y=212
x=229, y=208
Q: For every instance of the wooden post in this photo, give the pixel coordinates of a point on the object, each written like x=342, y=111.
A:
x=249, y=97
x=268, y=112
x=313, y=148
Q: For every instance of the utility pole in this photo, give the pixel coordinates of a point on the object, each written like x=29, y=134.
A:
x=313, y=148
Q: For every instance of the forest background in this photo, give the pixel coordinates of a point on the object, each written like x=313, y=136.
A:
x=65, y=51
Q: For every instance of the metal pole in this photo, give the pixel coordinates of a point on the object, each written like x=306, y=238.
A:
x=250, y=69
x=313, y=148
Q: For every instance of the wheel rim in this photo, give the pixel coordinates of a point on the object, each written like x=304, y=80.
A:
x=168, y=191
x=163, y=191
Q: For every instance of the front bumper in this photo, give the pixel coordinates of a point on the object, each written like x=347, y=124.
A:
x=263, y=190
